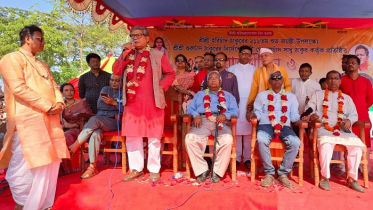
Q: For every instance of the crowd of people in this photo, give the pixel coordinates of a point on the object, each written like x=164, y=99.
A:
x=133, y=97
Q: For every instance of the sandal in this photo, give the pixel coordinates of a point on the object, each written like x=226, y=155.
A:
x=89, y=173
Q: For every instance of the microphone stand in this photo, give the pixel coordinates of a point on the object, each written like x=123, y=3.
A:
x=215, y=141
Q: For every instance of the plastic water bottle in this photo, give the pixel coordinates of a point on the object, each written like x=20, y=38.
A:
x=177, y=175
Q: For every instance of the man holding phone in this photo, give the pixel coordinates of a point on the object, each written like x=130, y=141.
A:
x=108, y=106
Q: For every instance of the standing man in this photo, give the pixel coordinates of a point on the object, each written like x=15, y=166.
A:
x=147, y=74
x=198, y=64
x=244, y=72
x=260, y=81
x=229, y=80
x=304, y=87
x=208, y=63
x=91, y=83
x=35, y=142
x=360, y=90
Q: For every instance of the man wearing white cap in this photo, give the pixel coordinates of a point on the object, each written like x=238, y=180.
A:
x=244, y=72
x=260, y=81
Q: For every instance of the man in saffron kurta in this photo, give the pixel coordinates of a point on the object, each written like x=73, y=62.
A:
x=35, y=142
x=143, y=114
x=328, y=136
x=260, y=81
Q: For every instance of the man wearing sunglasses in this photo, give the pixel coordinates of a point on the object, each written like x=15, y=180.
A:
x=274, y=121
x=244, y=72
x=260, y=81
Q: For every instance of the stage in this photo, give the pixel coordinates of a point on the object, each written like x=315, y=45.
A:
x=94, y=194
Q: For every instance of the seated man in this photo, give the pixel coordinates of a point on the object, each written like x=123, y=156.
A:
x=104, y=120
x=205, y=113
x=338, y=112
x=275, y=109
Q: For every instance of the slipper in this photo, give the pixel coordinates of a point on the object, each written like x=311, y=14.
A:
x=89, y=173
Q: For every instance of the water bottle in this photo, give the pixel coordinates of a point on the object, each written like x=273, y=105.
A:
x=177, y=175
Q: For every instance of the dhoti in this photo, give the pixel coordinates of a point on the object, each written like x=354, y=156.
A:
x=32, y=188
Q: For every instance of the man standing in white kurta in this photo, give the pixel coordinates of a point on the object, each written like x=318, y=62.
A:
x=244, y=72
x=337, y=111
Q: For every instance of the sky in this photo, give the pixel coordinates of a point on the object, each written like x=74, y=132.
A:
x=26, y=4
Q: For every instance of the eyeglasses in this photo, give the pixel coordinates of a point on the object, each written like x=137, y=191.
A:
x=276, y=77
x=40, y=39
x=180, y=60
x=207, y=60
x=219, y=59
x=138, y=36
x=214, y=79
x=245, y=54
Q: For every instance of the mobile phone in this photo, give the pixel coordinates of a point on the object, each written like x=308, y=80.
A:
x=104, y=94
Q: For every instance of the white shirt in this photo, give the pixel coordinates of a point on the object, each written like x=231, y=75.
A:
x=244, y=74
x=302, y=90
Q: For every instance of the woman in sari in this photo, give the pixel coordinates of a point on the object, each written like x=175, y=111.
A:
x=71, y=125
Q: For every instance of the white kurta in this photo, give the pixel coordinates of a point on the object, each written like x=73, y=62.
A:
x=302, y=90
x=349, y=110
x=244, y=74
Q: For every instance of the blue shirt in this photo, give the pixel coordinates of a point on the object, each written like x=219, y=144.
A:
x=196, y=107
x=104, y=109
x=261, y=107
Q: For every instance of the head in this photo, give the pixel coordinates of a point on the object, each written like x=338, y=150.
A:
x=115, y=82
x=159, y=43
x=344, y=62
x=32, y=39
x=244, y=54
x=362, y=53
x=323, y=84
x=67, y=90
x=266, y=56
x=199, y=63
x=208, y=60
x=353, y=63
x=139, y=36
x=276, y=79
x=333, y=80
x=305, y=71
x=213, y=80
x=93, y=61
x=220, y=60
x=181, y=62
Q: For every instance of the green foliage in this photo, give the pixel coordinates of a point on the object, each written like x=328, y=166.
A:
x=69, y=36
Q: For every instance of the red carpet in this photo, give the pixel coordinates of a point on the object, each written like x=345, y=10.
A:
x=74, y=193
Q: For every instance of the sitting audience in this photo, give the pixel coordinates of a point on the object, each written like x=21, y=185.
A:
x=70, y=123
x=104, y=120
x=275, y=109
x=337, y=112
x=205, y=113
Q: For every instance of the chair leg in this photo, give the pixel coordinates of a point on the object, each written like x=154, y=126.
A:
x=175, y=158
x=365, y=169
x=253, y=169
x=108, y=158
x=124, y=157
x=187, y=166
x=233, y=169
x=82, y=161
x=300, y=173
x=316, y=171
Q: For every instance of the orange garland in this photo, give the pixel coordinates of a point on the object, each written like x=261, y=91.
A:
x=336, y=128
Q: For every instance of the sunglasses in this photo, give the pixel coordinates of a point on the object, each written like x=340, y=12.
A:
x=219, y=59
x=276, y=77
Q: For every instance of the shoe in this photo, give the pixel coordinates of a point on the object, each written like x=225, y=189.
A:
x=89, y=173
x=215, y=178
x=355, y=186
x=248, y=164
x=284, y=180
x=267, y=181
x=133, y=175
x=154, y=177
x=202, y=177
x=237, y=163
x=324, y=184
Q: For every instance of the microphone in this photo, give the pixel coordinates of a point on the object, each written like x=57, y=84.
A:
x=127, y=48
x=195, y=68
x=306, y=113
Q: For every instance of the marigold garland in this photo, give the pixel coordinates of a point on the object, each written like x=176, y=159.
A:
x=277, y=127
x=335, y=129
x=133, y=85
x=206, y=104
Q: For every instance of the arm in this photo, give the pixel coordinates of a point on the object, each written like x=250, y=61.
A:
x=192, y=108
x=350, y=111
x=169, y=74
x=120, y=64
x=254, y=87
x=294, y=111
x=232, y=107
x=258, y=105
x=369, y=94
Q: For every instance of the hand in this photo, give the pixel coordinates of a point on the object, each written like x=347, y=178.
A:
x=197, y=121
x=314, y=117
x=306, y=118
x=346, y=124
x=249, y=116
x=55, y=109
x=221, y=118
x=109, y=100
x=249, y=107
x=127, y=47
